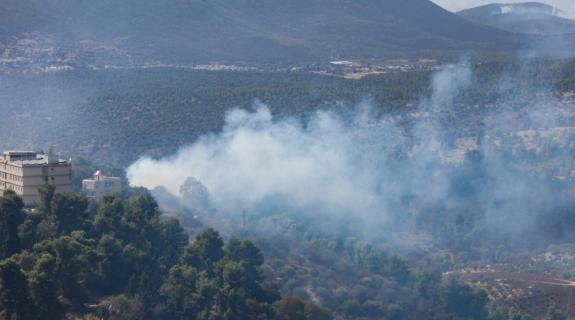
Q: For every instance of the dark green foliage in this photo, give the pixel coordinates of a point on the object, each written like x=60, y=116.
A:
x=11, y=217
x=128, y=263
x=174, y=240
x=127, y=251
x=44, y=287
x=14, y=293
x=55, y=214
x=180, y=293
x=109, y=215
x=217, y=282
x=463, y=301
x=69, y=210
x=205, y=251
x=554, y=314
x=30, y=231
x=503, y=313
x=72, y=257
x=115, y=264
x=75, y=260
x=47, y=192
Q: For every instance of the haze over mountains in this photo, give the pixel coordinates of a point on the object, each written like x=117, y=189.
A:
x=255, y=30
x=528, y=17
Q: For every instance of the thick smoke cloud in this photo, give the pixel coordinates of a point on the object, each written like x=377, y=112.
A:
x=376, y=168
x=332, y=164
x=320, y=164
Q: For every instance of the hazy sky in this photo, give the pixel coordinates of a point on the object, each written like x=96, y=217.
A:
x=454, y=5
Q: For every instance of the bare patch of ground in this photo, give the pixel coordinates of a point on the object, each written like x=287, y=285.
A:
x=530, y=293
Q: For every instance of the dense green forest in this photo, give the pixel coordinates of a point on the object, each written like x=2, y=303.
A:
x=116, y=116
x=122, y=259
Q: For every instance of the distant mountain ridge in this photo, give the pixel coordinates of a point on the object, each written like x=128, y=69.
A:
x=255, y=30
x=527, y=18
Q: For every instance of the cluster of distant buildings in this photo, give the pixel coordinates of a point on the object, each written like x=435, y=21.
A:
x=353, y=69
x=25, y=172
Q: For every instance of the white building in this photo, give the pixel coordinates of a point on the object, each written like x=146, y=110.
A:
x=27, y=171
x=101, y=185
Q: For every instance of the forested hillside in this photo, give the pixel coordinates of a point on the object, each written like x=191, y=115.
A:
x=116, y=116
x=121, y=259
x=263, y=31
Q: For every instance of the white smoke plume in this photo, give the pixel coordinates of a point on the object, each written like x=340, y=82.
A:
x=331, y=164
x=255, y=158
x=359, y=166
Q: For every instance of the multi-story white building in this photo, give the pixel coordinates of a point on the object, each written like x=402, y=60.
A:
x=101, y=185
x=26, y=171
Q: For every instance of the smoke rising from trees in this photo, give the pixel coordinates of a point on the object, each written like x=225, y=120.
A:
x=378, y=169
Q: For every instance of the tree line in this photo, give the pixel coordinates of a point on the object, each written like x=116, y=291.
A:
x=119, y=259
